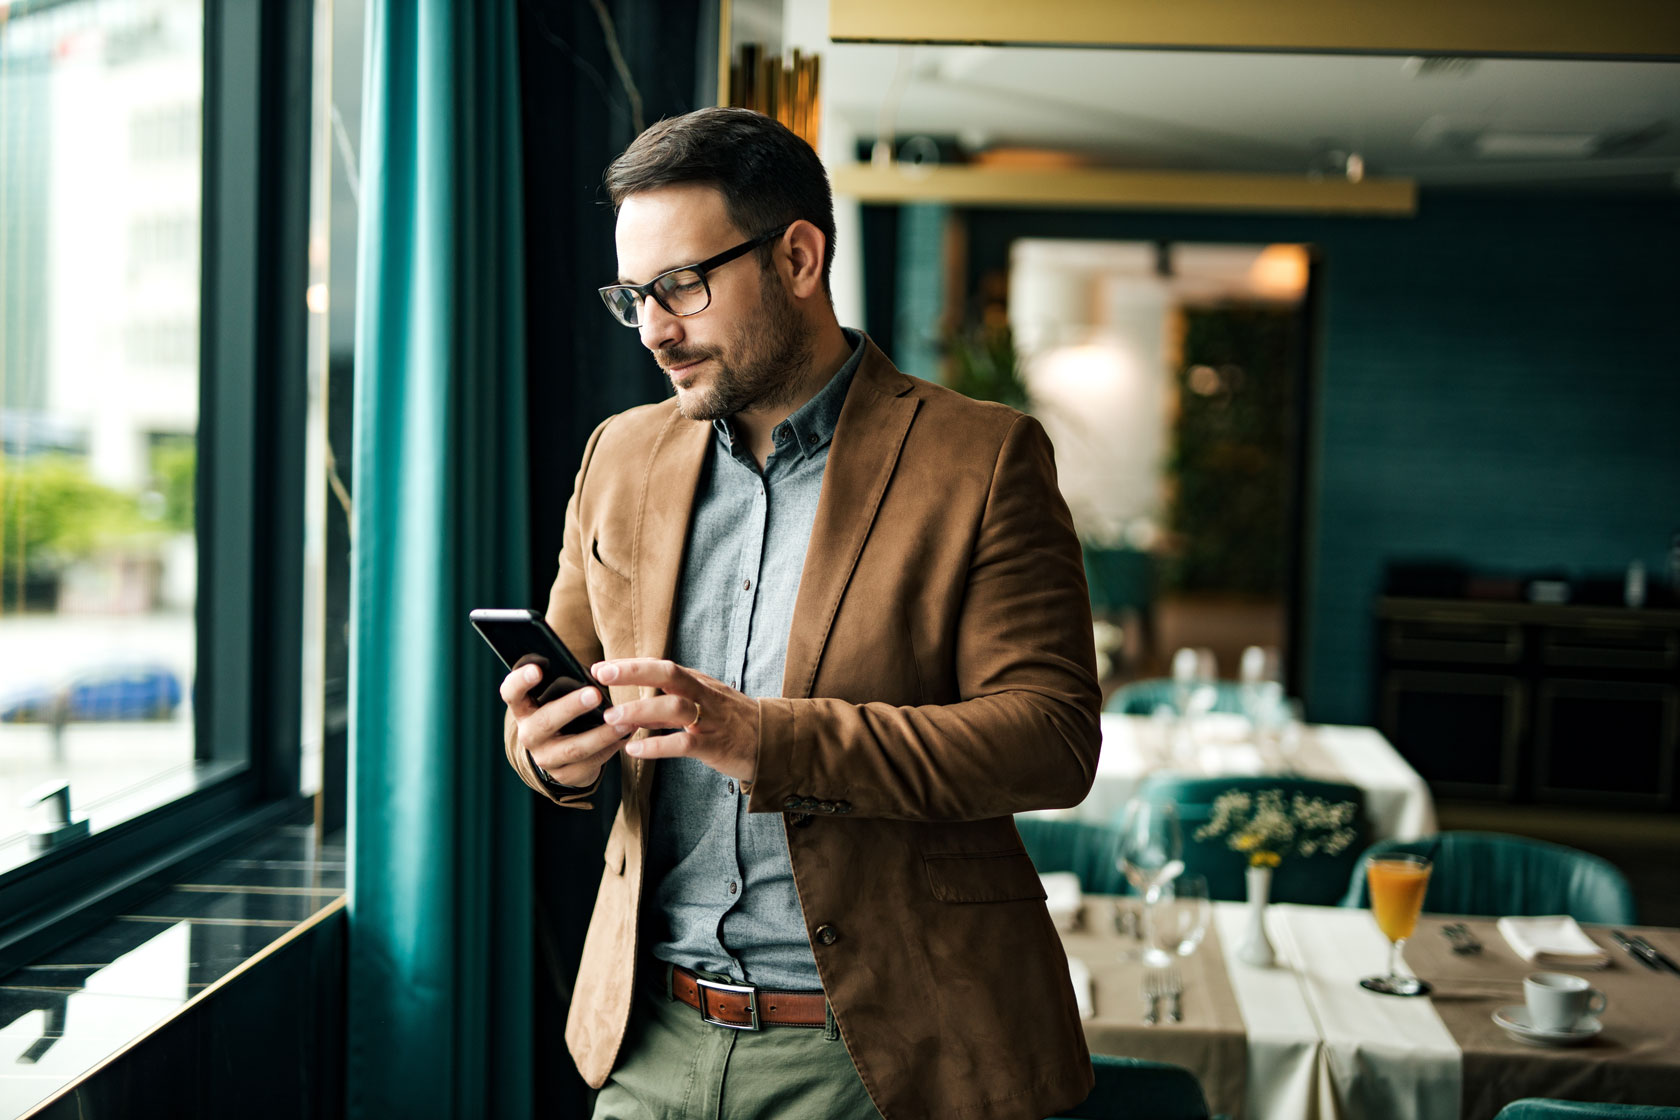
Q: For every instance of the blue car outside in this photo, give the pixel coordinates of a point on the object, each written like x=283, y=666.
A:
x=104, y=693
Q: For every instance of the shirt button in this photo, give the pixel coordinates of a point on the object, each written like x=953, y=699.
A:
x=732, y=785
x=732, y=886
x=827, y=934
x=746, y=585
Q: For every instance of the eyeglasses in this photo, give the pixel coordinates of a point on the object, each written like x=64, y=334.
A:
x=681, y=291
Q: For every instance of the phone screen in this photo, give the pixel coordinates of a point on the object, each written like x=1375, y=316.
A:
x=523, y=637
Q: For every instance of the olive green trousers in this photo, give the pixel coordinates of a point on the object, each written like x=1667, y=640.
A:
x=675, y=1066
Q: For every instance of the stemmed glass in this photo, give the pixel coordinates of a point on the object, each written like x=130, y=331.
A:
x=1260, y=686
x=1181, y=915
x=1151, y=855
x=1398, y=881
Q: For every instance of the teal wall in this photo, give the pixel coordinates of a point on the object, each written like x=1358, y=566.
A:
x=1498, y=383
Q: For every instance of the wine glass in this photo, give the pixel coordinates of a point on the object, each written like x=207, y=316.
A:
x=1260, y=684
x=1151, y=854
x=1181, y=916
x=1398, y=881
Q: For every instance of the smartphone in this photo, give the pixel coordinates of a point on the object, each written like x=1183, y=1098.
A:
x=523, y=637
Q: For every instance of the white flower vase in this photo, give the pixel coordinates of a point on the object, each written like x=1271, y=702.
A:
x=1256, y=948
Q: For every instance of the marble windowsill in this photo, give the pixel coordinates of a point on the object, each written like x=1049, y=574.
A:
x=66, y=1013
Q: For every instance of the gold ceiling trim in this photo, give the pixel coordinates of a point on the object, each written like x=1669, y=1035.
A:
x=1648, y=29
x=1133, y=190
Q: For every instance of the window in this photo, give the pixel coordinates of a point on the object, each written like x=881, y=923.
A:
x=152, y=332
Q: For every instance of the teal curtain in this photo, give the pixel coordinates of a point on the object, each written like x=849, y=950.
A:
x=439, y=835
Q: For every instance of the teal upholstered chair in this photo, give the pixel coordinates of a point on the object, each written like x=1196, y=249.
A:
x=1320, y=879
x=1135, y=1089
x=1536, y=1108
x=1141, y=698
x=1494, y=874
x=1087, y=848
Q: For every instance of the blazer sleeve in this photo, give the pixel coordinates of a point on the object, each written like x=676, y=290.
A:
x=1023, y=731
x=570, y=616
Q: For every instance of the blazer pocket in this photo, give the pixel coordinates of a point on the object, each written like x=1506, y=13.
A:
x=604, y=579
x=984, y=877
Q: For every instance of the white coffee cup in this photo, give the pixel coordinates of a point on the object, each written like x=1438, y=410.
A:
x=1558, y=1001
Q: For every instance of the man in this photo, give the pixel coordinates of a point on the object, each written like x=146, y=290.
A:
x=852, y=605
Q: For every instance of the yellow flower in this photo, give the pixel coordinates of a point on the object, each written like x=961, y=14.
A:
x=1264, y=859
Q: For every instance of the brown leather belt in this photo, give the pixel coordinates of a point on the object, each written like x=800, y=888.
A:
x=745, y=1007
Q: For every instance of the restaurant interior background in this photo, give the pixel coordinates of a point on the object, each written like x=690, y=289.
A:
x=1327, y=335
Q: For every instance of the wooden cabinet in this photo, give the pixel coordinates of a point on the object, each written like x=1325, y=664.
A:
x=1519, y=702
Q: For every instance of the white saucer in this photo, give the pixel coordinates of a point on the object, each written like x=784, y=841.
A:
x=1513, y=1020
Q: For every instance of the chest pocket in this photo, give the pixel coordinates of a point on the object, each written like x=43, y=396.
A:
x=609, y=603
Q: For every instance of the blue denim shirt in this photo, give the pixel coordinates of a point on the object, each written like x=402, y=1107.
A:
x=723, y=884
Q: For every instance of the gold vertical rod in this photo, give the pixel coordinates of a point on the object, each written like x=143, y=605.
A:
x=725, y=53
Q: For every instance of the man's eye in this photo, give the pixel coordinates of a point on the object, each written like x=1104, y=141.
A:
x=681, y=284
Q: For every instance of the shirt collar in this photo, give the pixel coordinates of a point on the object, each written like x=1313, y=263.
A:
x=813, y=425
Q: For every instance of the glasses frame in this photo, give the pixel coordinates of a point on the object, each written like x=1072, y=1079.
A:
x=700, y=269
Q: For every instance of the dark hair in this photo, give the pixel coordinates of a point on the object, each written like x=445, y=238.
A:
x=768, y=176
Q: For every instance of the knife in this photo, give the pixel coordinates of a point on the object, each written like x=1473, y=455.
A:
x=1657, y=955
x=1637, y=952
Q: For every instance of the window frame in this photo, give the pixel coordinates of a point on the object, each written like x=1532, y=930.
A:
x=249, y=489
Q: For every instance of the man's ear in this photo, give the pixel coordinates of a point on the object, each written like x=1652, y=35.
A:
x=803, y=246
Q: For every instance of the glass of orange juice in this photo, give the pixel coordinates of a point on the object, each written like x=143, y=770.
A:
x=1398, y=881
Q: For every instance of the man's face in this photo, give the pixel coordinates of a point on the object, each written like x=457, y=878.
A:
x=747, y=349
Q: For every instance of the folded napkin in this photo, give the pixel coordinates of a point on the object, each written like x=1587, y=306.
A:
x=1553, y=941
x=1062, y=898
x=1080, y=973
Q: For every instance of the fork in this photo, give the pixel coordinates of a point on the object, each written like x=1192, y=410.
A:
x=1463, y=941
x=1172, y=986
x=1152, y=992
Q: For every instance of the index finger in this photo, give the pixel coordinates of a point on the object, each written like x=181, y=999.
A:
x=653, y=672
x=516, y=690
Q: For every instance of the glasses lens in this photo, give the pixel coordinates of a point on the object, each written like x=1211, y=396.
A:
x=683, y=292
x=623, y=303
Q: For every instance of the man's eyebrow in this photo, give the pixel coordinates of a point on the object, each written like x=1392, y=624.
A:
x=622, y=279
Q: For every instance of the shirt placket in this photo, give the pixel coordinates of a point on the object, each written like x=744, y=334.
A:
x=745, y=596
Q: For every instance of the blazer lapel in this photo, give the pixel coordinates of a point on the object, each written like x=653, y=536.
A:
x=867, y=441
x=664, y=506
x=663, y=510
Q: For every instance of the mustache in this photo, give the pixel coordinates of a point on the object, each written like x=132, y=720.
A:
x=673, y=357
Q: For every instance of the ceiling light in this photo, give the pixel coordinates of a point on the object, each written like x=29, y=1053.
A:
x=1437, y=66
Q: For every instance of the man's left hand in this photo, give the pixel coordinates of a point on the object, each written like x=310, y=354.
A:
x=717, y=725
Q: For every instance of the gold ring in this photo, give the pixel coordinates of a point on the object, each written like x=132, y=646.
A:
x=695, y=722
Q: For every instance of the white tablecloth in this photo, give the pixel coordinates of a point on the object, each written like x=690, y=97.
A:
x=1383, y=1057
x=1397, y=801
x=1283, y=1045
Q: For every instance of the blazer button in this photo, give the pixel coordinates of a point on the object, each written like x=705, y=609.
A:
x=827, y=934
x=810, y=804
x=792, y=804
x=826, y=806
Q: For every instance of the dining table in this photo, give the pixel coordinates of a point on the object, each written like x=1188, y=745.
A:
x=1301, y=1039
x=1398, y=804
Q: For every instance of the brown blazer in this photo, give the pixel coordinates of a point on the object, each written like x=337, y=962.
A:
x=940, y=677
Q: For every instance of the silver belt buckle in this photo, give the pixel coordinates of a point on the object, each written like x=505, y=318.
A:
x=747, y=990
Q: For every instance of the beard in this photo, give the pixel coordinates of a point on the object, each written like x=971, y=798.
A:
x=762, y=366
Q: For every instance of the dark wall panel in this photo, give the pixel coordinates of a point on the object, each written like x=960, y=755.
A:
x=1496, y=385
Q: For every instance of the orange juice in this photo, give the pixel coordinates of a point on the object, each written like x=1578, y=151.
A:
x=1397, y=889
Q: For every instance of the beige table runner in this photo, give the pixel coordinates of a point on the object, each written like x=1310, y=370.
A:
x=1211, y=1040
x=1635, y=1059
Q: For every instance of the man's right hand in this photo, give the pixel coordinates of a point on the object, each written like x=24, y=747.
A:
x=571, y=760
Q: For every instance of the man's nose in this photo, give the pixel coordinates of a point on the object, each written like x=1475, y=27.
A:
x=657, y=326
